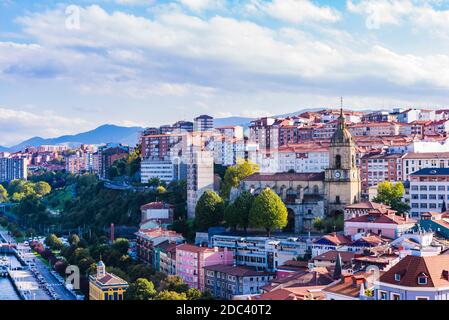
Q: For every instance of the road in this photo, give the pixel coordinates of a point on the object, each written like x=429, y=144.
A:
x=45, y=271
x=60, y=289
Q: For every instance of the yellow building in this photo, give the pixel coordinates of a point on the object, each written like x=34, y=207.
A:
x=106, y=286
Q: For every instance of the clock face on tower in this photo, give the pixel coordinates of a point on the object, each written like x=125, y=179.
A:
x=337, y=174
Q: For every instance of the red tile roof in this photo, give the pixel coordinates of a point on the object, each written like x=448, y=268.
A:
x=238, y=271
x=376, y=217
x=156, y=205
x=331, y=256
x=315, y=176
x=434, y=268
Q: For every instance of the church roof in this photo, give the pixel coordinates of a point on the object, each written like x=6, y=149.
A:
x=313, y=176
x=342, y=134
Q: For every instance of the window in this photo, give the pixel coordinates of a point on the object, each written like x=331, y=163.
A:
x=383, y=295
x=338, y=161
x=395, y=296
x=422, y=280
x=397, y=277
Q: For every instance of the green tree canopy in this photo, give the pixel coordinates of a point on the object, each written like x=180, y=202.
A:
x=173, y=283
x=235, y=174
x=391, y=195
x=121, y=245
x=231, y=216
x=54, y=242
x=243, y=204
x=268, y=212
x=141, y=289
x=42, y=188
x=209, y=211
x=74, y=239
x=170, y=295
x=3, y=194
x=237, y=213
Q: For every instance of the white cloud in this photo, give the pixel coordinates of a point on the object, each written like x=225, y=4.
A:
x=299, y=11
x=421, y=13
x=185, y=61
x=381, y=12
x=201, y=5
x=16, y=126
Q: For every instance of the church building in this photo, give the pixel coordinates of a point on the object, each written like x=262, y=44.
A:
x=311, y=195
x=342, y=179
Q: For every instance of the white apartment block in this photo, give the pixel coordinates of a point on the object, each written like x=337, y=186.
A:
x=227, y=151
x=414, y=161
x=163, y=170
x=200, y=177
x=261, y=252
x=303, y=160
x=429, y=188
x=12, y=169
x=412, y=115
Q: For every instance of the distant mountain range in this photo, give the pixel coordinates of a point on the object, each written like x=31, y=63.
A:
x=103, y=134
x=125, y=135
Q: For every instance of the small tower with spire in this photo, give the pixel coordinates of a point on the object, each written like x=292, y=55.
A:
x=101, y=269
x=338, y=271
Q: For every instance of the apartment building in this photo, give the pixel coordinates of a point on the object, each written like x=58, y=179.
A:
x=200, y=177
x=429, y=188
x=191, y=261
x=303, y=158
x=229, y=281
x=415, y=161
x=203, y=123
x=12, y=169
x=377, y=168
x=261, y=252
x=375, y=129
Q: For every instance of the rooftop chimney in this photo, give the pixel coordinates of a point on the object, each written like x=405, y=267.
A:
x=112, y=233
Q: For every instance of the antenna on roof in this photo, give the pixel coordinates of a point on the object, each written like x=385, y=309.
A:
x=341, y=106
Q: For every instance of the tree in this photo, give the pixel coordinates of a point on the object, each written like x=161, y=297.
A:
x=391, y=195
x=42, y=188
x=209, y=210
x=243, y=205
x=74, y=239
x=170, y=295
x=121, y=245
x=3, y=194
x=231, y=216
x=161, y=189
x=193, y=294
x=173, y=283
x=54, y=242
x=235, y=174
x=140, y=271
x=237, y=213
x=268, y=212
x=141, y=289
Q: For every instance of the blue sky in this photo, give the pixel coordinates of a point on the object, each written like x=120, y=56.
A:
x=66, y=67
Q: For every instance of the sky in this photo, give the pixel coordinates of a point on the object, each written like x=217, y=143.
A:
x=67, y=67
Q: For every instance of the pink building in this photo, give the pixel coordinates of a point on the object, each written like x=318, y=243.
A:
x=190, y=261
x=379, y=220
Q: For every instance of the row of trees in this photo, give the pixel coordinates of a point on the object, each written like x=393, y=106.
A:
x=266, y=211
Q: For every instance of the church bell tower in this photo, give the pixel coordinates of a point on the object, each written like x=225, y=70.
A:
x=342, y=177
